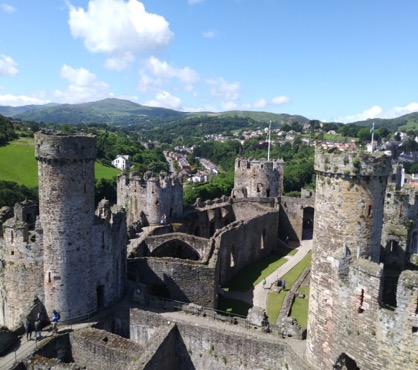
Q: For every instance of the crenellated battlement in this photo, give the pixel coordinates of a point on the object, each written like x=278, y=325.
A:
x=352, y=163
x=150, y=199
x=258, y=178
x=50, y=146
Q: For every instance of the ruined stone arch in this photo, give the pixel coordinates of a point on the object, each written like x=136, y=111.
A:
x=177, y=249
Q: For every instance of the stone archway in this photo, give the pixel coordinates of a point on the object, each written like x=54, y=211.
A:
x=177, y=249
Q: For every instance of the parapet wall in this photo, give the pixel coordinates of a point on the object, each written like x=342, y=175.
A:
x=352, y=163
x=359, y=326
x=214, y=348
x=55, y=147
x=181, y=280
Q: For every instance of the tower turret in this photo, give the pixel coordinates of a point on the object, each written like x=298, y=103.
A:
x=66, y=204
x=258, y=178
x=350, y=189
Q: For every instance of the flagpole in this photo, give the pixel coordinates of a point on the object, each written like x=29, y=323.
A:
x=268, y=148
x=371, y=148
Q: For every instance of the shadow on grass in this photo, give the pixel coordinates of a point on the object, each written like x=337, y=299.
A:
x=251, y=275
x=234, y=306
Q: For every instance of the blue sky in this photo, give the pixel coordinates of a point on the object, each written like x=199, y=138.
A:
x=341, y=60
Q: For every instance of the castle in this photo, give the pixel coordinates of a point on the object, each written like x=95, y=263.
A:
x=363, y=305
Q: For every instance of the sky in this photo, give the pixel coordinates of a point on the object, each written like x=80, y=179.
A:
x=332, y=60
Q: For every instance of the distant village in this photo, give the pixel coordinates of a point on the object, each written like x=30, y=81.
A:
x=179, y=163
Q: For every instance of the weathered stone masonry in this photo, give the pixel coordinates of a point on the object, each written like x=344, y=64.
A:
x=348, y=323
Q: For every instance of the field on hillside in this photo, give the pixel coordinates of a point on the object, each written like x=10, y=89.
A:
x=18, y=164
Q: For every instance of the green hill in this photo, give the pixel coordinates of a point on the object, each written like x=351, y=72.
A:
x=108, y=111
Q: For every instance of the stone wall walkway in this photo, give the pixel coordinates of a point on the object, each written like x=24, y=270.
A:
x=26, y=347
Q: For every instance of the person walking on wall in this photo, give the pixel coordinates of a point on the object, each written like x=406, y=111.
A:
x=38, y=328
x=55, y=319
x=28, y=329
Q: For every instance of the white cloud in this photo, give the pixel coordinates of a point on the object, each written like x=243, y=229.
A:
x=83, y=86
x=378, y=112
x=227, y=91
x=7, y=8
x=120, y=62
x=157, y=72
x=165, y=100
x=260, y=103
x=400, y=111
x=209, y=34
x=19, y=100
x=8, y=67
x=373, y=112
x=279, y=100
x=119, y=29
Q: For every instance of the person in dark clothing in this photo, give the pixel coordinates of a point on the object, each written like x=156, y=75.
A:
x=38, y=329
x=28, y=329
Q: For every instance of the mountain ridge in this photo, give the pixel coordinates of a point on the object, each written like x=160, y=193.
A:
x=123, y=112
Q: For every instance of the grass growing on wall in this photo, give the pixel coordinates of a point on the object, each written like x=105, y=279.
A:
x=18, y=164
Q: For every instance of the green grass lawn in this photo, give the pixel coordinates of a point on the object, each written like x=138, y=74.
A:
x=295, y=272
x=275, y=300
x=299, y=311
x=251, y=275
x=18, y=164
x=274, y=305
x=304, y=289
x=233, y=306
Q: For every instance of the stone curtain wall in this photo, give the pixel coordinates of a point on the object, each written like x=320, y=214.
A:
x=185, y=281
x=200, y=245
x=291, y=216
x=243, y=242
x=109, y=256
x=375, y=337
x=66, y=204
x=21, y=276
x=98, y=349
x=210, y=348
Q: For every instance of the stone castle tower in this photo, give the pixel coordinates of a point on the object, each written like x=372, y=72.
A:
x=258, y=178
x=349, y=324
x=150, y=199
x=75, y=242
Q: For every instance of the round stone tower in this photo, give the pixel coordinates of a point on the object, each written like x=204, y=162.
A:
x=350, y=189
x=258, y=178
x=66, y=207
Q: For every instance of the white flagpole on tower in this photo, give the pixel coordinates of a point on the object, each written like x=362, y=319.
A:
x=268, y=148
x=371, y=143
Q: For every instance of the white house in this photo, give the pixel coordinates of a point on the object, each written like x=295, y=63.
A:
x=122, y=162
